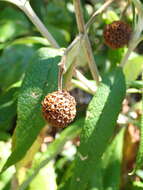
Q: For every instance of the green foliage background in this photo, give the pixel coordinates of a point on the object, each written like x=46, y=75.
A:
x=29, y=71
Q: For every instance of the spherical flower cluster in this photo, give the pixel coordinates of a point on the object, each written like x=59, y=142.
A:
x=59, y=108
x=117, y=34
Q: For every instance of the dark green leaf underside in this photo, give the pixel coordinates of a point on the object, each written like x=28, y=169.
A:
x=98, y=129
x=8, y=105
x=112, y=162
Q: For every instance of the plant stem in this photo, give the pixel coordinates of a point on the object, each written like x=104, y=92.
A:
x=80, y=85
x=134, y=90
x=25, y=6
x=27, y=9
x=69, y=74
x=125, y=10
x=92, y=89
x=99, y=11
x=136, y=34
x=61, y=71
x=133, y=42
x=86, y=44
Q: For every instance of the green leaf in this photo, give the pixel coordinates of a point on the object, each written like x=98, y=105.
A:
x=4, y=136
x=31, y=40
x=13, y=63
x=97, y=179
x=58, y=8
x=60, y=35
x=115, y=56
x=108, y=171
x=133, y=67
x=135, y=84
x=110, y=16
x=111, y=163
x=41, y=78
x=98, y=128
x=8, y=105
x=13, y=23
x=39, y=7
x=137, y=185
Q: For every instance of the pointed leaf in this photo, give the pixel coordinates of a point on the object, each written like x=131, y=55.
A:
x=41, y=78
x=100, y=122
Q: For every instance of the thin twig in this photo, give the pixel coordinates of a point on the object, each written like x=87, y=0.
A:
x=125, y=10
x=81, y=37
x=87, y=45
x=92, y=89
x=134, y=90
x=73, y=43
x=69, y=74
x=25, y=6
x=99, y=11
x=136, y=33
x=79, y=16
x=61, y=72
x=78, y=84
x=27, y=9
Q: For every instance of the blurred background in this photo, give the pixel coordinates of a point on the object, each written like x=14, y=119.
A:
x=19, y=40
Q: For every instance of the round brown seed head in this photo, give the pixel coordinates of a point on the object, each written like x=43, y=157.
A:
x=59, y=108
x=117, y=34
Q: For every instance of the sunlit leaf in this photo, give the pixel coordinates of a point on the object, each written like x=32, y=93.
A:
x=133, y=67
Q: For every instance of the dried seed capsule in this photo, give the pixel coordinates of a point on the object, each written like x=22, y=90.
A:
x=117, y=34
x=59, y=108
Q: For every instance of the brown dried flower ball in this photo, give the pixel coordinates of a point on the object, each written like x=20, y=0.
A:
x=59, y=108
x=117, y=34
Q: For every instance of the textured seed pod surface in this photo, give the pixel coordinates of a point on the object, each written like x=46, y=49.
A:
x=59, y=108
x=117, y=34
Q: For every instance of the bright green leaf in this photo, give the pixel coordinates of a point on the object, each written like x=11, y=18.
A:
x=115, y=56
x=110, y=16
x=31, y=40
x=133, y=68
x=137, y=185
